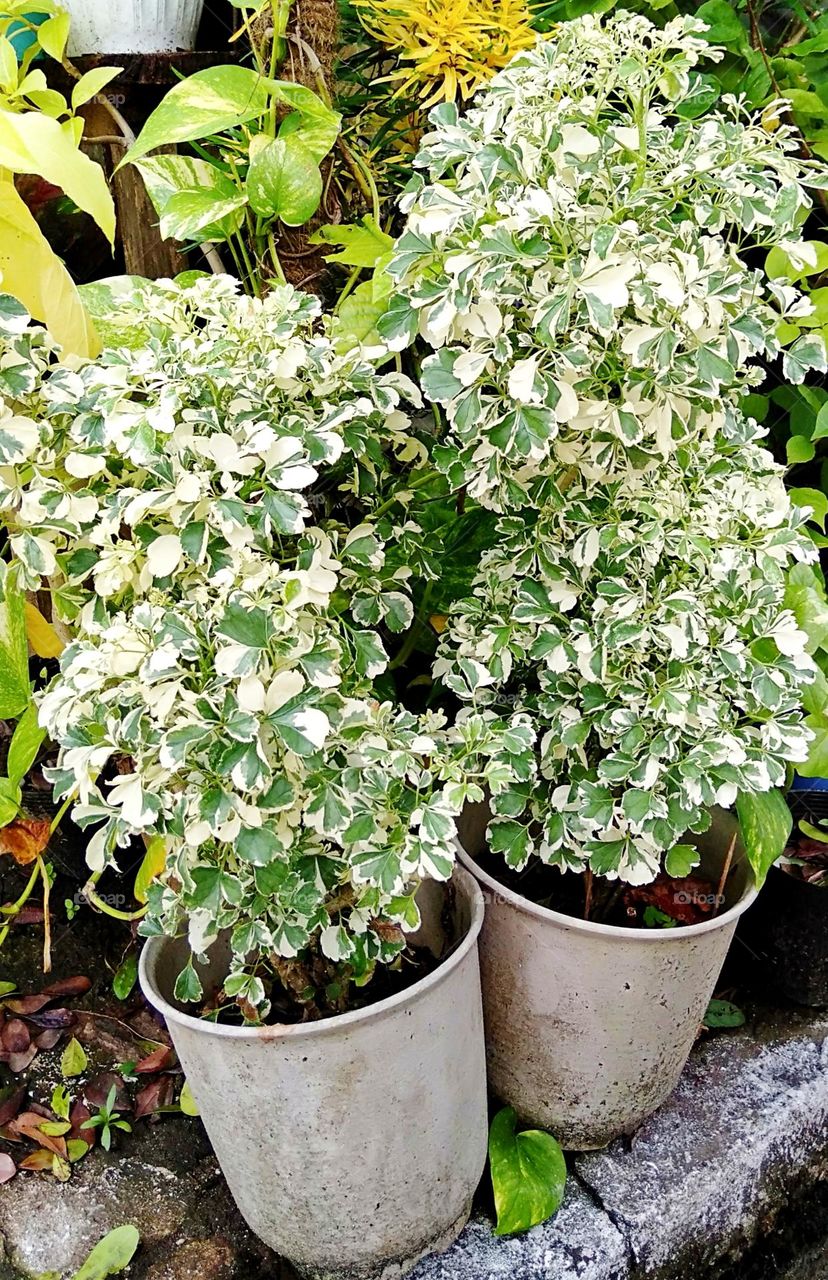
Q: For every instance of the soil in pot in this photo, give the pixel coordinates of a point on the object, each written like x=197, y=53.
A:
x=663, y=904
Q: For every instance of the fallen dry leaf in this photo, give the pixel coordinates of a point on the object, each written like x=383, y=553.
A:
x=26, y=1004
x=52, y=1019
x=10, y=1105
x=78, y=1116
x=7, y=1167
x=47, y=1039
x=158, y=1060
x=38, y=1162
x=67, y=987
x=15, y=1036
x=20, y=1061
x=96, y=1092
x=25, y=839
x=159, y=1093
x=27, y=1125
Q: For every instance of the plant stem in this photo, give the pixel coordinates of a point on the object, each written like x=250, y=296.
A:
x=424, y=479
x=47, y=923
x=725, y=873
x=99, y=905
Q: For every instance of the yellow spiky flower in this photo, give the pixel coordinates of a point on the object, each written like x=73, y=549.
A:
x=451, y=46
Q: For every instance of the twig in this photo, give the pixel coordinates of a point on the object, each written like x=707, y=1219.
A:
x=587, y=892
x=47, y=923
x=725, y=874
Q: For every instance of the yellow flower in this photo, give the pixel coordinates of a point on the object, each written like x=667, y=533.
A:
x=454, y=46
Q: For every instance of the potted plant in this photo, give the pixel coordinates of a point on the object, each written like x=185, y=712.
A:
x=141, y=26
x=209, y=508
x=574, y=256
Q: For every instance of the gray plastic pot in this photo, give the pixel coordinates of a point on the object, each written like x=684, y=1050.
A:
x=588, y=1026
x=353, y=1145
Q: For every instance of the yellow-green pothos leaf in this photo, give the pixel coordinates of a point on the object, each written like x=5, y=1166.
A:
x=207, y=102
x=528, y=1174
x=283, y=180
x=193, y=198
x=765, y=822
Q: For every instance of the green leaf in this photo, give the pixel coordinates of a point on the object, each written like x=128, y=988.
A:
x=126, y=975
x=257, y=845
x=14, y=650
x=317, y=128
x=188, y=984
x=91, y=83
x=361, y=243
x=765, y=822
x=24, y=745
x=60, y=1101
x=807, y=353
x=723, y=23
x=202, y=215
x=186, y=1101
x=799, y=449
x=73, y=1060
x=528, y=1174
x=52, y=35
x=721, y=1013
x=283, y=180
x=815, y=499
x=9, y=802
x=812, y=832
x=110, y=1255
x=681, y=860
x=780, y=266
x=207, y=102
x=805, y=597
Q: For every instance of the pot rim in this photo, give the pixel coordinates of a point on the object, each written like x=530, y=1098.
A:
x=323, y=1026
x=654, y=937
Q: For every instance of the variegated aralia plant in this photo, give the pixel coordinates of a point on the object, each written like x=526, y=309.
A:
x=208, y=510
x=578, y=259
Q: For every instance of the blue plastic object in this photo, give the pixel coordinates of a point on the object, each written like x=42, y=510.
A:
x=23, y=37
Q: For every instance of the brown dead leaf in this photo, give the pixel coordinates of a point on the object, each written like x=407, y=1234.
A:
x=38, y=1162
x=20, y=1061
x=158, y=1060
x=15, y=1036
x=25, y=839
x=28, y=1125
x=7, y=1167
x=25, y=1005
x=159, y=1093
x=96, y=1091
x=78, y=1116
x=66, y=988
x=10, y=1105
x=52, y=1019
x=47, y=1039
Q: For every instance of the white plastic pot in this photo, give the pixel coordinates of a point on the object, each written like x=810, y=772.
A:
x=352, y=1145
x=132, y=26
x=589, y=1026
